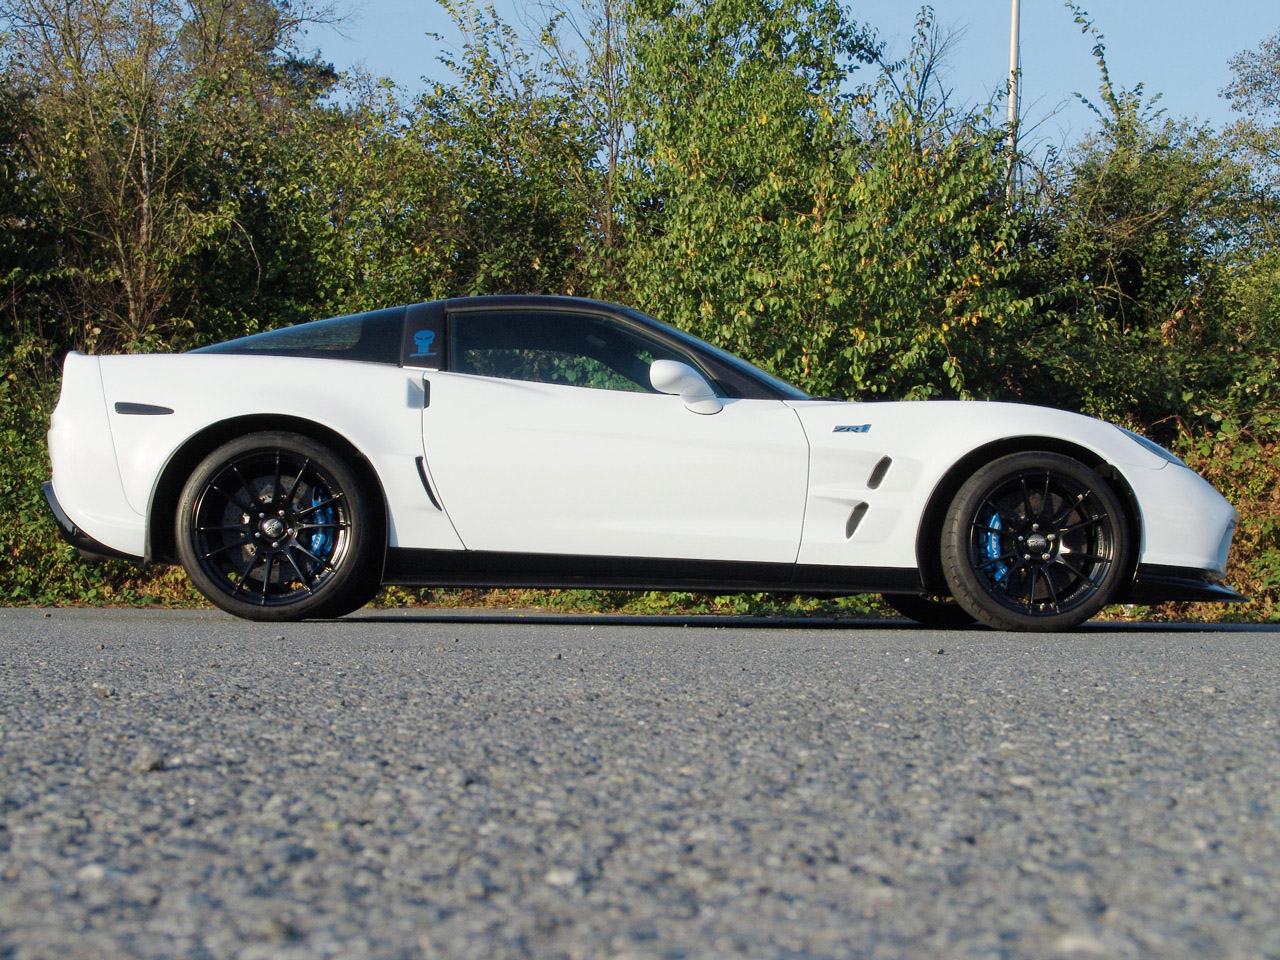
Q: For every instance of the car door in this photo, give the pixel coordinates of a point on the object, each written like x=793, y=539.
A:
x=545, y=436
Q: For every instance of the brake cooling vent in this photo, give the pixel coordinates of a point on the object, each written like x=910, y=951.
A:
x=855, y=518
x=877, y=474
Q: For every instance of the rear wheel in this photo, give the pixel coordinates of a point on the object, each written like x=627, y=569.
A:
x=277, y=526
x=941, y=613
x=1034, y=541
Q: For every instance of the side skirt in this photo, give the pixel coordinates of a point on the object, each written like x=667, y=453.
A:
x=482, y=568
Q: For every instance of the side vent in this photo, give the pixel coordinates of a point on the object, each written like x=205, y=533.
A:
x=877, y=475
x=142, y=409
x=855, y=518
x=426, y=485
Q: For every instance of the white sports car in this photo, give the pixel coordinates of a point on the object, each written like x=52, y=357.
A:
x=560, y=442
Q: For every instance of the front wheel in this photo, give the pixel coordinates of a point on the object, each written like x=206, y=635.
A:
x=1034, y=541
x=277, y=526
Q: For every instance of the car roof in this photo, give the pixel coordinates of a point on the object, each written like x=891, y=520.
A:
x=533, y=301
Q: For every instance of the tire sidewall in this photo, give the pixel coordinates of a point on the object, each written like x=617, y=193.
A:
x=341, y=592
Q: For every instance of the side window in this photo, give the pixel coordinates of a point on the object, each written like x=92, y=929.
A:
x=563, y=348
x=369, y=337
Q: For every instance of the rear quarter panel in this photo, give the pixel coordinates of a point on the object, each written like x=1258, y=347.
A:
x=376, y=407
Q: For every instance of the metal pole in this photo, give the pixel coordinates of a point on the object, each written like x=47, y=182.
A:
x=1011, y=114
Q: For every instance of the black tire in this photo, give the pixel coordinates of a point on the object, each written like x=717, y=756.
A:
x=941, y=613
x=277, y=526
x=1035, y=541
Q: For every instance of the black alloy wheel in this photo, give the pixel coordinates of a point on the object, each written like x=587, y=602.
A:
x=941, y=613
x=1035, y=541
x=276, y=526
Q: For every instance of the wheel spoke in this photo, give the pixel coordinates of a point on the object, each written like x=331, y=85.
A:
x=245, y=484
x=1006, y=557
x=1053, y=594
x=306, y=581
x=1027, y=511
x=1031, y=590
x=275, y=484
x=223, y=529
x=322, y=526
x=1076, y=570
x=985, y=529
x=266, y=579
x=1070, y=507
x=234, y=498
x=316, y=506
x=244, y=575
x=320, y=560
x=1018, y=565
x=293, y=489
x=1044, y=497
x=230, y=546
x=989, y=505
x=1080, y=526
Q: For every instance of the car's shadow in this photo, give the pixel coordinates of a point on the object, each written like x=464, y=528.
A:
x=729, y=621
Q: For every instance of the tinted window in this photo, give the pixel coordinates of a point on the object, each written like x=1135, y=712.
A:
x=565, y=348
x=369, y=337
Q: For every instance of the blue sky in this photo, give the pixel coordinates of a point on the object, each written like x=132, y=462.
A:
x=1178, y=48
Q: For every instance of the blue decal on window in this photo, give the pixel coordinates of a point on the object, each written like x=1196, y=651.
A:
x=853, y=428
x=423, y=340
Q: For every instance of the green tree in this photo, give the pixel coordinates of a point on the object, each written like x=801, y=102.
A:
x=587, y=46
x=853, y=240
x=1145, y=219
x=1255, y=93
x=136, y=109
x=27, y=238
x=337, y=208
x=515, y=153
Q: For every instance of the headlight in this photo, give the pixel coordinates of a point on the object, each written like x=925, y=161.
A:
x=1152, y=446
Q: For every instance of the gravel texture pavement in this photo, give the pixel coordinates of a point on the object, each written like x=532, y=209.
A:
x=181, y=784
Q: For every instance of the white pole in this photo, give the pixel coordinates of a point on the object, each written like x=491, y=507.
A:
x=1011, y=114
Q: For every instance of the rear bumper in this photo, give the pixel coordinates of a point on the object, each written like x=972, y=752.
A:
x=1156, y=583
x=87, y=546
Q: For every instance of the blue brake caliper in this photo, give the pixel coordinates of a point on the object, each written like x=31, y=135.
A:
x=989, y=546
x=321, y=540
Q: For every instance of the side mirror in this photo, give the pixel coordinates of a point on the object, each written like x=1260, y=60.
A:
x=672, y=376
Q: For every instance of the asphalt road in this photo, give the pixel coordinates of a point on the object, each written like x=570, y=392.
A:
x=180, y=784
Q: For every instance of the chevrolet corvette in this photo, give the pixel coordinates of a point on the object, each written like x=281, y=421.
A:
x=562, y=442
